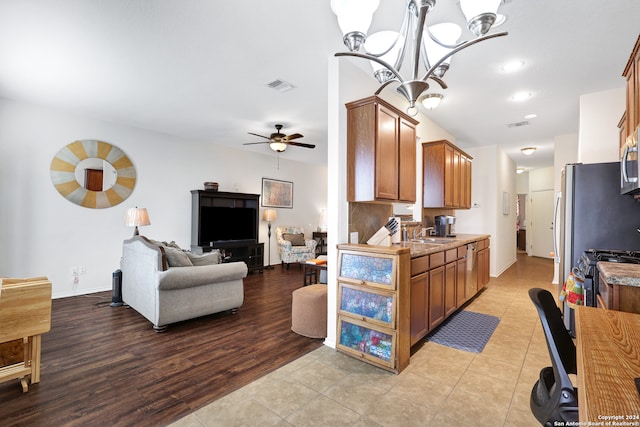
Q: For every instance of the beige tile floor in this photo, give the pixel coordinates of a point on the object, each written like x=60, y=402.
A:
x=441, y=387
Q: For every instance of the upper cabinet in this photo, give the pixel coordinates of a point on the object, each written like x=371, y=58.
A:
x=446, y=176
x=381, y=152
x=632, y=75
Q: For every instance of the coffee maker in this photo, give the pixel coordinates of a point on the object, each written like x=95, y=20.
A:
x=445, y=225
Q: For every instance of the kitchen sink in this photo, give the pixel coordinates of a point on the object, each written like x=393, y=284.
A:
x=434, y=241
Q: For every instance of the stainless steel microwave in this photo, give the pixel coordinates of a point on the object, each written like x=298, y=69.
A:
x=629, y=165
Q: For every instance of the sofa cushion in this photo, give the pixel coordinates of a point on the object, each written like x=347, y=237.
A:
x=208, y=258
x=189, y=277
x=295, y=239
x=177, y=258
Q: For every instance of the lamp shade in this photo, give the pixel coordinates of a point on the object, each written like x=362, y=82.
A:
x=354, y=15
x=269, y=215
x=447, y=33
x=473, y=8
x=136, y=217
x=388, y=46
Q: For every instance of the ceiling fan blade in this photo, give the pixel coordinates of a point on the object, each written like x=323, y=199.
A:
x=301, y=144
x=261, y=136
x=261, y=142
x=293, y=136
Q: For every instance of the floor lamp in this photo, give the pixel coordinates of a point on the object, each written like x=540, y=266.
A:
x=269, y=215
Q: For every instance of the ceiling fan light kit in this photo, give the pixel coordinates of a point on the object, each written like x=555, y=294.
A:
x=437, y=43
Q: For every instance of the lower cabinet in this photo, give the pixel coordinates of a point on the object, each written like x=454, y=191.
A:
x=483, y=263
x=438, y=288
x=374, y=305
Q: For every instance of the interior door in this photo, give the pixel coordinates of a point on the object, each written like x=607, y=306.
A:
x=541, y=225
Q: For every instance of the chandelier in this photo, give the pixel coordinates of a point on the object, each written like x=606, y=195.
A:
x=435, y=43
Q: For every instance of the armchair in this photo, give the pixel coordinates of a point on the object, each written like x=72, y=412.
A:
x=293, y=247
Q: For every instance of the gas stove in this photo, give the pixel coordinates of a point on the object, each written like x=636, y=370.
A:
x=587, y=265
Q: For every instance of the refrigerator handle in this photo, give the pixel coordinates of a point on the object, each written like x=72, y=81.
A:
x=556, y=254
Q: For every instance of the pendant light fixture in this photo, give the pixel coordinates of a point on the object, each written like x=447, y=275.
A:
x=436, y=43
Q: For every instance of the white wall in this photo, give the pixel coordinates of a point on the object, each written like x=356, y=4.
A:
x=492, y=174
x=598, y=132
x=44, y=234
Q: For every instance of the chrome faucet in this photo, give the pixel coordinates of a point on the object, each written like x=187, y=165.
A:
x=421, y=233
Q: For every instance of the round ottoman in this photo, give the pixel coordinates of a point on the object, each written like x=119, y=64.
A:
x=309, y=311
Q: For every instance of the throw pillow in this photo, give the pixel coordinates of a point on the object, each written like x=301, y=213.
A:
x=295, y=239
x=177, y=258
x=208, y=258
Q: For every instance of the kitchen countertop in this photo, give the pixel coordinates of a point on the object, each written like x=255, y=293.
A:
x=616, y=273
x=419, y=249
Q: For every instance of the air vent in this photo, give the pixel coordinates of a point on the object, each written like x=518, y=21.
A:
x=518, y=124
x=280, y=85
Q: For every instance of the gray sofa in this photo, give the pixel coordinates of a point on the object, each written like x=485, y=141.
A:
x=168, y=285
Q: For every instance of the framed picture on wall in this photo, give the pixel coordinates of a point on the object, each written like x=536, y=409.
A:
x=276, y=193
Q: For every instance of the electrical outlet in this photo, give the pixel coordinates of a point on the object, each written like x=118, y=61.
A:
x=74, y=271
x=82, y=269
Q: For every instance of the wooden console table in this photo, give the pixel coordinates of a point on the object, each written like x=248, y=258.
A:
x=608, y=356
x=25, y=313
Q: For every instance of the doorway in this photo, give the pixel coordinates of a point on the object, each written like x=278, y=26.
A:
x=540, y=239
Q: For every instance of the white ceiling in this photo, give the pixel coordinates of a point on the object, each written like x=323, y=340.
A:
x=199, y=69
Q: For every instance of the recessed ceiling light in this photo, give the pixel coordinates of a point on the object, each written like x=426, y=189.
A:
x=530, y=116
x=512, y=66
x=521, y=96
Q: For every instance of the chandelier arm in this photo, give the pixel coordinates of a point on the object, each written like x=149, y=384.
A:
x=375, y=59
x=385, y=84
x=460, y=47
x=438, y=80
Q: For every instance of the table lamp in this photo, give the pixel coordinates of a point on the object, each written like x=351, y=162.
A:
x=135, y=217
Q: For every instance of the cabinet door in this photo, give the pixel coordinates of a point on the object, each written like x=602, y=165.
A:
x=377, y=271
x=374, y=344
x=386, y=152
x=483, y=268
x=436, y=296
x=461, y=278
x=457, y=179
x=450, y=288
x=448, y=176
x=631, y=99
x=374, y=306
x=465, y=178
x=407, y=162
x=419, y=307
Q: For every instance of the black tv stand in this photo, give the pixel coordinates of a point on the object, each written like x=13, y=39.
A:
x=250, y=251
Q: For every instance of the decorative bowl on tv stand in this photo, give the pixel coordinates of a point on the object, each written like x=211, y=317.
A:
x=211, y=186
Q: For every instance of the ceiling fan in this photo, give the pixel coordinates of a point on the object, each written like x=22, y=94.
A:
x=278, y=141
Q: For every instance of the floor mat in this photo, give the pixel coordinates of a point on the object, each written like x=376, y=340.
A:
x=465, y=330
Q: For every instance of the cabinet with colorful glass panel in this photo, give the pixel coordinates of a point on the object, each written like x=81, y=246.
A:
x=373, y=310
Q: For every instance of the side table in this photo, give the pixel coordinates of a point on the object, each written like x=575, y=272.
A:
x=321, y=238
x=312, y=273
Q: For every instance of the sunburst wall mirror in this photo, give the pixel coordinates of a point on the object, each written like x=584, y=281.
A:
x=93, y=174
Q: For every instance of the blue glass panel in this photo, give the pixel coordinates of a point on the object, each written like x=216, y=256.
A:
x=367, y=268
x=368, y=304
x=365, y=340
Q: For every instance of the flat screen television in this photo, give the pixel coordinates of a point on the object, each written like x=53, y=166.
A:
x=227, y=224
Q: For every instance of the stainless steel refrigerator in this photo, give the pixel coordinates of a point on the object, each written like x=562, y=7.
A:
x=592, y=214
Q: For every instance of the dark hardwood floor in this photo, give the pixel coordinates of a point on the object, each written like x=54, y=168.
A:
x=105, y=365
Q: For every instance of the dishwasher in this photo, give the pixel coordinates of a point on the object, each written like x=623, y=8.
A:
x=471, y=286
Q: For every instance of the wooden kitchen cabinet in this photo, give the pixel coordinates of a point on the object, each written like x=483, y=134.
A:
x=419, y=306
x=632, y=75
x=483, y=263
x=618, y=297
x=446, y=176
x=381, y=152
x=374, y=305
